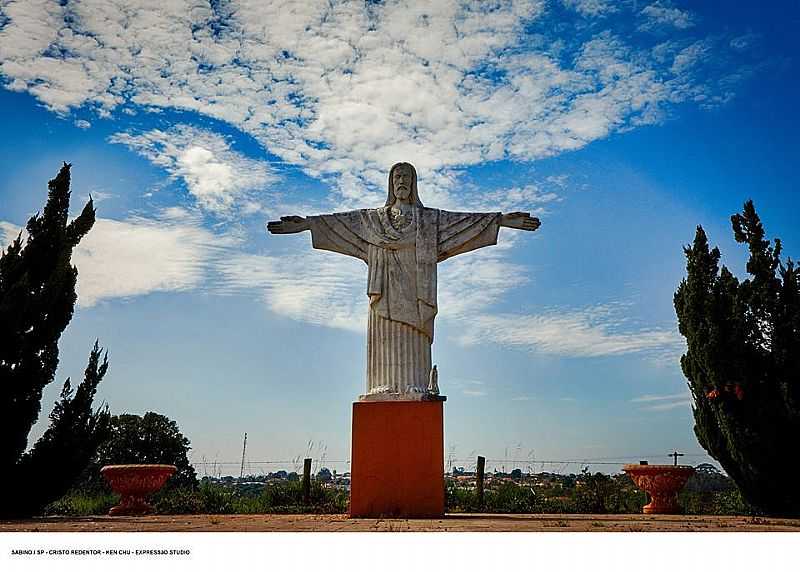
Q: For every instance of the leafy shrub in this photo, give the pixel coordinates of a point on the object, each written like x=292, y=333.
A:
x=82, y=504
x=287, y=497
x=458, y=499
x=215, y=499
x=506, y=498
x=179, y=500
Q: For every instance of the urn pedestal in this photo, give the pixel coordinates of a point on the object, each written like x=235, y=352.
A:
x=397, y=461
x=662, y=483
x=134, y=483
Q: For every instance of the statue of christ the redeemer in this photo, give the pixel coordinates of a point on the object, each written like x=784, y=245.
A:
x=401, y=243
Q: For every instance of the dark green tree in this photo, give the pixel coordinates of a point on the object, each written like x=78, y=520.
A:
x=37, y=297
x=150, y=439
x=743, y=363
x=48, y=470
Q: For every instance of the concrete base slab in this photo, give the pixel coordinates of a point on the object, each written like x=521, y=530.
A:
x=450, y=523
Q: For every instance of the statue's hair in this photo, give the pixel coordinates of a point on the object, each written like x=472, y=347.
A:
x=390, y=198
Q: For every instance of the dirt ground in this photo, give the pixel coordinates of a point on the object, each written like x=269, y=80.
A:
x=450, y=523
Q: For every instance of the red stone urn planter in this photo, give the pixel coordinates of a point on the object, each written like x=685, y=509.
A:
x=134, y=483
x=662, y=483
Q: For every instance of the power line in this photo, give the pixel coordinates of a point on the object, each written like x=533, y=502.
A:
x=249, y=462
x=527, y=461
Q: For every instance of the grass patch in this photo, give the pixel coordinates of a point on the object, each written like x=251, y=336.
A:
x=273, y=498
x=79, y=503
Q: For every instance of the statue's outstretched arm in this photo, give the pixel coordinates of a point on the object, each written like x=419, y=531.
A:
x=288, y=225
x=521, y=221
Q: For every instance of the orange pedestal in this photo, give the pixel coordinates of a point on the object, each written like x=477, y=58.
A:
x=397, y=462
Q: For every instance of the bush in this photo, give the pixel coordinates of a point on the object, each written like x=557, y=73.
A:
x=458, y=499
x=79, y=503
x=605, y=494
x=283, y=497
x=506, y=498
x=512, y=498
x=215, y=499
x=179, y=500
x=732, y=503
x=594, y=494
x=288, y=498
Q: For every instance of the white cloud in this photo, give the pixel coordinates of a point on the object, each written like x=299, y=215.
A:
x=649, y=398
x=474, y=393
x=690, y=56
x=522, y=398
x=468, y=387
x=137, y=256
x=590, y=332
x=744, y=42
x=344, y=89
x=221, y=180
x=119, y=259
x=472, y=282
x=9, y=233
x=683, y=403
x=591, y=8
x=97, y=196
x=329, y=290
x=310, y=286
x=82, y=124
x=128, y=258
x=530, y=198
x=660, y=15
x=663, y=402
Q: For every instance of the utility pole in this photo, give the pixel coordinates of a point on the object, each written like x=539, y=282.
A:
x=244, y=448
x=306, y=481
x=675, y=456
x=481, y=466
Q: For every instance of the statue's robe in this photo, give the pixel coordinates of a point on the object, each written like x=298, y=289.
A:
x=402, y=281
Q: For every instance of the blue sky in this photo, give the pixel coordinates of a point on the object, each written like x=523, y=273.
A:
x=622, y=125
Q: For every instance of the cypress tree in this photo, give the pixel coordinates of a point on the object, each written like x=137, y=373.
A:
x=57, y=459
x=37, y=297
x=743, y=363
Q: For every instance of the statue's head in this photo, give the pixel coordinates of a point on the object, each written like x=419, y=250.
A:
x=403, y=184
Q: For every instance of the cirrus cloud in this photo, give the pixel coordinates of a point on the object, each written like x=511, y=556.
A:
x=344, y=89
x=221, y=180
x=138, y=256
x=589, y=332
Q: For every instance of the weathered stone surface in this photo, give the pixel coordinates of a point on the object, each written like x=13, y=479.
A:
x=401, y=243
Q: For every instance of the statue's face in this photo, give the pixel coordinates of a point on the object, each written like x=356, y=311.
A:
x=401, y=182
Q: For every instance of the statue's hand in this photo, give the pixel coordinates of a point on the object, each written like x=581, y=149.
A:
x=522, y=221
x=288, y=225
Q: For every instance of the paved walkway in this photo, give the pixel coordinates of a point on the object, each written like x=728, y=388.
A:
x=451, y=523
